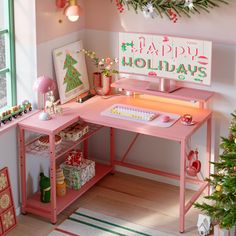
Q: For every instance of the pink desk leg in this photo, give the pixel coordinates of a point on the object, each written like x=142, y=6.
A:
x=182, y=187
x=112, y=147
x=53, y=178
x=209, y=121
x=23, y=169
x=85, y=148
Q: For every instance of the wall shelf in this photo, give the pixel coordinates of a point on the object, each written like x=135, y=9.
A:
x=185, y=94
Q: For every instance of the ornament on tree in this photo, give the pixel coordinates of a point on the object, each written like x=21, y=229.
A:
x=231, y=137
x=72, y=77
x=189, y=4
x=120, y=6
x=172, y=15
x=218, y=188
x=234, y=168
x=148, y=11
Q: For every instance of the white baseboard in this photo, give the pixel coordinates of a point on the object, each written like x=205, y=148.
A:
x=153, y=177
x=18, y=211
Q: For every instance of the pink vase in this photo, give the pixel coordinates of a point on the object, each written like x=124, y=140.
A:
x=105, y=89
x=97, y=79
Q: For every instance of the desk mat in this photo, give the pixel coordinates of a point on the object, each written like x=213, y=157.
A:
x=157, y=121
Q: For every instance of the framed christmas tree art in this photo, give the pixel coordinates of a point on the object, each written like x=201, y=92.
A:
x=71, y=71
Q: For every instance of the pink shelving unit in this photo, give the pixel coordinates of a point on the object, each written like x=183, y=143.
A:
x=55, y=153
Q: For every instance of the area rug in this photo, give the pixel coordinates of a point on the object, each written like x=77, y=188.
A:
x=84, y=222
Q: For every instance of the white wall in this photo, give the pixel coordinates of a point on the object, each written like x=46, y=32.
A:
x=8, y=157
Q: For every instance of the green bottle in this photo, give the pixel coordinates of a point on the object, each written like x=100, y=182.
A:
x=45, y=188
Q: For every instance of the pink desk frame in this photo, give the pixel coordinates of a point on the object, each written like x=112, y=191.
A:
x=90, y=111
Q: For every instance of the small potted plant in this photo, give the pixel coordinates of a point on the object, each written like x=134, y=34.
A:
x=222, y=202
x=103, y=78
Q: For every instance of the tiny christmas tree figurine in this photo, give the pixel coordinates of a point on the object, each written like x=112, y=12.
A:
x=222, y=207
x=72, y=77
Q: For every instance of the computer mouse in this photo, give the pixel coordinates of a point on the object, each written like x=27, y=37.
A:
x=165, y=119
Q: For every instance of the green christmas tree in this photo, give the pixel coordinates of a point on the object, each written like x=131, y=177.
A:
x=72, y=77
x=222, y=205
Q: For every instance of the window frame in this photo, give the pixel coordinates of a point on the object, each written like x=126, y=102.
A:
x=10, y=70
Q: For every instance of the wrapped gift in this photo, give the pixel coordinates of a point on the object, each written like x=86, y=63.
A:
x=85, y=128
x=77, y=176
x=72, y=176
x=74, y=158
x=224, y=232
x=75, y=131
x=88, y=170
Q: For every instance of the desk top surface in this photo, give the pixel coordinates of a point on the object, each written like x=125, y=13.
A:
x=90, y=111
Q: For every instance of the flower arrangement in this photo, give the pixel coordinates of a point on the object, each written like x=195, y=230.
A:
x=105, y=65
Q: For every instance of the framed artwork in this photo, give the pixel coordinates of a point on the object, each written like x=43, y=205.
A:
x=71, y=71
x=7, y=210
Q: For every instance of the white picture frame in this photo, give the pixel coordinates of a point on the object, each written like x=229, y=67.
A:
x=71, y=71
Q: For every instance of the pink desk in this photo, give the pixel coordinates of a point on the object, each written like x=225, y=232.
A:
x=90, y=111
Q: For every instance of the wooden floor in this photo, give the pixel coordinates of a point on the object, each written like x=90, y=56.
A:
x=128, y=197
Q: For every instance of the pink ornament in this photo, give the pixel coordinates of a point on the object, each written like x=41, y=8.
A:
x=108, y=60
x=108, y=67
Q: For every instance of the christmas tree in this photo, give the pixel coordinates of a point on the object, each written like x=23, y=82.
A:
x=71, y=79
x=222, y=207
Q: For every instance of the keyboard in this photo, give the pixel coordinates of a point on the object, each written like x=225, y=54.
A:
x=133, y=113
x=141, y=115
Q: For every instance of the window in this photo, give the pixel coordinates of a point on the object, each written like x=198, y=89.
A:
x=7, y=56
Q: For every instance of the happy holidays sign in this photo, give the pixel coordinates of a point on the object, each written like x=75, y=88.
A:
x=163, y=56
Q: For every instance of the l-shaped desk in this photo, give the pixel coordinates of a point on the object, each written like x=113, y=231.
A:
x=91, y=110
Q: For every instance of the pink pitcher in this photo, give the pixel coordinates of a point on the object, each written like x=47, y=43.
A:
x=105, y=89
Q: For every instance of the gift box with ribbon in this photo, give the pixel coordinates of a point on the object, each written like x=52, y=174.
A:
x=75, y=131
x=74, y=158
x=77, y=176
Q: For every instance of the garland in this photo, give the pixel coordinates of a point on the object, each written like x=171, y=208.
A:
x=170, y=8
